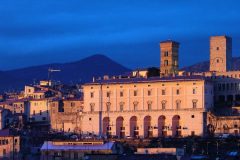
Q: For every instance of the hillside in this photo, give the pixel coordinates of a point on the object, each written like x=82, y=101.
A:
x=75, y=72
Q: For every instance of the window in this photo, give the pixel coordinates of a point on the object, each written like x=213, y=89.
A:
x=166, y=54
x=163, y=92
x=135, y=106
x=135, y=93
x=163, y=105
x=121, y=94
x=90, y=119
x=149, y=106
x=121, y=107
x=72, y=104
x=166, y=63
x=217, y=48
x=194, y=91
x=194, y=103
x=192, y=116
x=34, y=112
x=92, y=107
x=40, y=112
x=44, y=118
x=149, y=92
x=108, y=107
x=177, y=92
x=91, y=94
x=108, y=94
x=178, y=104
x=4, y=152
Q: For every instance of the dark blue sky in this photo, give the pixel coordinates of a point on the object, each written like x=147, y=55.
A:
x=46, y=31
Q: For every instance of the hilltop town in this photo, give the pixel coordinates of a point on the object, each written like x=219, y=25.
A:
x=146, y=113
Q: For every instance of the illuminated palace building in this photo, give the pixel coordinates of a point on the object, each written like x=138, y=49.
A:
x=176, y=103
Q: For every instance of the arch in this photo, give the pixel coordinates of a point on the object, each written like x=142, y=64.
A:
x=106, y=126
x=176, y=128
x=120, y=129
x=134, y=129
x=161, y=126
x=148, y=132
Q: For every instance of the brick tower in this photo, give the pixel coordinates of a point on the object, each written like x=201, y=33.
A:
x=169, y=58
x=220, y=53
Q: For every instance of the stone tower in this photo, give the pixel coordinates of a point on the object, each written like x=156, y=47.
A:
x=220, y=53
x=169, y=58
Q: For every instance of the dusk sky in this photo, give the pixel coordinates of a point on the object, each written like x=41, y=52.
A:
x=46, y=31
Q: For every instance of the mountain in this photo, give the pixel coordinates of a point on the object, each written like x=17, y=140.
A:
x=75, y=72
x=204, y=66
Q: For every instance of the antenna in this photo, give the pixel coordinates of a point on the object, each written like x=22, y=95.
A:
x=50, y=70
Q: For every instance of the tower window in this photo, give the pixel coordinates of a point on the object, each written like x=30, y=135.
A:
x=217, y=48
x=166, y=63
x=217, y=60
x=91, y=94
x=166, y=54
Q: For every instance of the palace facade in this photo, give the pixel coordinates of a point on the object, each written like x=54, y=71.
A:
x=174, y=104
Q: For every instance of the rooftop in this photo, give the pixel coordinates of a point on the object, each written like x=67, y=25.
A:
x=147, y=80
x=49, y=145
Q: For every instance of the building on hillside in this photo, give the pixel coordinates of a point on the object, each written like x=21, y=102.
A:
x=17, y=106
x=38, y=110
x=152, y=107
x=9, y=146
x=65, y=115
x=72, y=150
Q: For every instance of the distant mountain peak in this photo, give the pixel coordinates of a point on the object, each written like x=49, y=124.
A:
x=204, y=66
x=80, y=71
